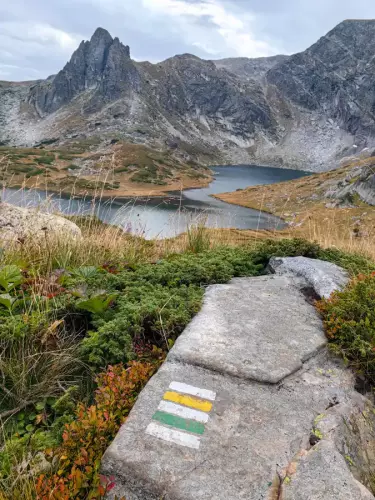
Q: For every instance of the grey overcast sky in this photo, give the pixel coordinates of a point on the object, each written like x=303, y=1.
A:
x=37, y=37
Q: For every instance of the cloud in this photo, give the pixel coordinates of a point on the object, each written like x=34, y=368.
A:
x=37, y=37
x=209, y=25
x=22, y=43
x=31, y=35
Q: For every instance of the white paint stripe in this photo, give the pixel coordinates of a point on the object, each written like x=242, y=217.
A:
x=183, y=411
x=173, y=436
x=193, y=391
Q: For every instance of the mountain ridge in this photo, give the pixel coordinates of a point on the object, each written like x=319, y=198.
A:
x=306, y=110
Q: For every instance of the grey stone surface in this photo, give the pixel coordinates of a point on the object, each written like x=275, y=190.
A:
x=322, y=474
x=351, y=428
x=253, y=431
x=259, y=328
x=324, y=277
x=258, y=436
x=17, y=224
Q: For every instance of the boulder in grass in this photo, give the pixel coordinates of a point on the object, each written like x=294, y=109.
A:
x=19, y=224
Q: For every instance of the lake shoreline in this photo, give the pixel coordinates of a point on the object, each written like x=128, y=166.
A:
x=155, y=214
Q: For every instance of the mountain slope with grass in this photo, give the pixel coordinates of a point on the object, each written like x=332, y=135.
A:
x=334, y=208
x=101, y=169
x=302, y=111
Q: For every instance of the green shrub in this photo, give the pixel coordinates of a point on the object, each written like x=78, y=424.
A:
x=349, y=319
x=150, y=313
x=353, y=263
x=120, y=170
x=67, y=157
x=38, y=171
x=45, y=160
x=156, y=301
x=22, y=168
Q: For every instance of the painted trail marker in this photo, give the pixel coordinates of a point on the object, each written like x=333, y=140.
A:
x=182, y=414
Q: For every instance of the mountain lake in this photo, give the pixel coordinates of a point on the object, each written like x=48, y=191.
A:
x=168, y=216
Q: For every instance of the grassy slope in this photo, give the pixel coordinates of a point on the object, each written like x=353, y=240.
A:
x=156, y=288
x=304, y=204
x=84, y=168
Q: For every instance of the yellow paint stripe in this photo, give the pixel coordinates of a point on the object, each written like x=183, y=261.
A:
x=190, y=401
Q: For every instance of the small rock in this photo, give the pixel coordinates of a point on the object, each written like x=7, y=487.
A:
x=323, y=277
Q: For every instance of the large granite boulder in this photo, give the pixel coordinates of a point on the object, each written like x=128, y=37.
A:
x=19, y=224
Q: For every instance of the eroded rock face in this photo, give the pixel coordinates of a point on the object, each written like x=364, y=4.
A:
x=360, y=182
x=19, y=224
x=211, y=425
x=322, y=473
x=334, y=75
x=101, y=65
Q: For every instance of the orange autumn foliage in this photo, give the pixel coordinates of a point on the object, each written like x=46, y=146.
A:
x=87, y=437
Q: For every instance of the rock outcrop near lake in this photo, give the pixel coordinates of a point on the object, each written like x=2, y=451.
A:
x=304, y=111
x=250, y=404
x=19, y=224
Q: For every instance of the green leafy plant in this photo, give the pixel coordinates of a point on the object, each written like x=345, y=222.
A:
x=10, y=278
x=97, y=304
x=85, y=272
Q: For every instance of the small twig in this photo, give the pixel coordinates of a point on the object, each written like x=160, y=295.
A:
x=10, y=413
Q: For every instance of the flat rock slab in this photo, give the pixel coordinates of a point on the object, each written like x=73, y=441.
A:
x=259, y=328
x=323, y=277
x=198, y=435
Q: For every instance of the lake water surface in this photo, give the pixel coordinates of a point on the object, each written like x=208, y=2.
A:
x=167, y=216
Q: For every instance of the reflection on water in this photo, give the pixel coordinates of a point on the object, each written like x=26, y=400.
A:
x=171, y=215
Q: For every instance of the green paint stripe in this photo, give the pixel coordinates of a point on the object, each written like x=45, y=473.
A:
x=178, y=422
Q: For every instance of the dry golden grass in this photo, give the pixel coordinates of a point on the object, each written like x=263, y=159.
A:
x=108, y=171
x=303, y=204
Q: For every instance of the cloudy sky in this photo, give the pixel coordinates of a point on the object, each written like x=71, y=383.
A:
x=37, y=37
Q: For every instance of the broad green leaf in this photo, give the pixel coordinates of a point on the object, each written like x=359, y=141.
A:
x=10, y=277
x=85, y=272
x=96, y=304
x=7, y=301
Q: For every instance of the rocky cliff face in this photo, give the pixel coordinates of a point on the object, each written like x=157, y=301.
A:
x=334, y=77
x=302, y=111
x=102, y=65
x=254, y=69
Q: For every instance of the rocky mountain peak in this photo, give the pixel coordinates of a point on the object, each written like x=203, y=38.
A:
x=96, y=56
x=101, y=34
x=102, y=64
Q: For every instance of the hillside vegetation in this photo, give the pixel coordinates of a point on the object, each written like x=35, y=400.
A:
x=315, y=208
x=97, y=167
x=84, y=325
